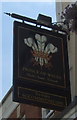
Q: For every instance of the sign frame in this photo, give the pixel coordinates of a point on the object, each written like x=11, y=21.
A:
x=25, y=79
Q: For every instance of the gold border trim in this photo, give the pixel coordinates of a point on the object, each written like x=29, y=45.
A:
x=44, y=93
x=36, y=80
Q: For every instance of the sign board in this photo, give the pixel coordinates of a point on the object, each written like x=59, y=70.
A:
x=40, y=67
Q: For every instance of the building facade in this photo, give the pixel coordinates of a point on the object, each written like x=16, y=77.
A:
x=71, y=111
x=10, y=109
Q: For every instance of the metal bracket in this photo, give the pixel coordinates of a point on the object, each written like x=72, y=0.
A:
x=42, y=20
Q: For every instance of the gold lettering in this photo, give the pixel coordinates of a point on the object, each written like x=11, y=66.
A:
x=41, y=74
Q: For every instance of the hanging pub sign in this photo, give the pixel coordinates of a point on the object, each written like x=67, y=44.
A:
x=40, y=67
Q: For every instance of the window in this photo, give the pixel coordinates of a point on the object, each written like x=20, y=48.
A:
x=46, y=113
x=24, y=117
x=50, y=113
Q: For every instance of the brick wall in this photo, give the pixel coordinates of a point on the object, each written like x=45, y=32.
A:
x=27, y=110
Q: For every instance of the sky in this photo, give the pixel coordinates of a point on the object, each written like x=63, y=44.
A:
x=28, y=9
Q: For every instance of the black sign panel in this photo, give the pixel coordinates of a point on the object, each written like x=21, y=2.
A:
x=40, y=67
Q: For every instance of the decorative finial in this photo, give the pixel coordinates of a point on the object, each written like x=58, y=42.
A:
x=7, y=13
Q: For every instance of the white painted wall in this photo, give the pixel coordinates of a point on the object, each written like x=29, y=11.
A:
x=72, y=48
x=71, y=114
x=76, y=64
x=7, y=107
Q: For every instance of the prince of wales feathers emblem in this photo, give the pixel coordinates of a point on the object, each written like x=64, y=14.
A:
x=40, y=51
